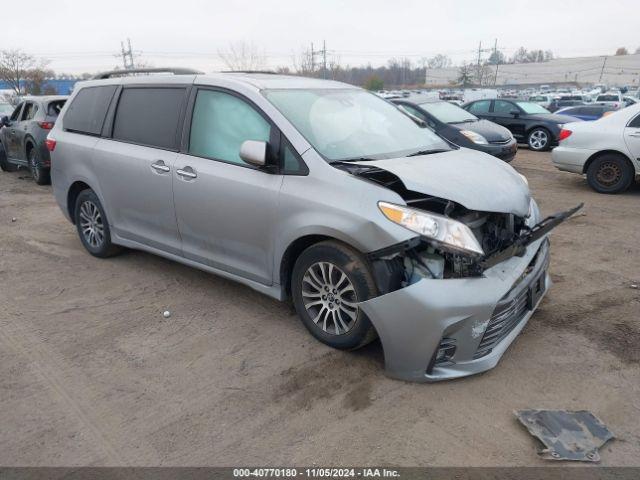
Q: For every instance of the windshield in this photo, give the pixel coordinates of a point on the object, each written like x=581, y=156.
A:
x=447, y=112
x=538, y=98
x=529, y=107
x=352, y=124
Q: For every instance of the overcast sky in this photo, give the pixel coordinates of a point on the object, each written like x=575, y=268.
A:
x=84, y=35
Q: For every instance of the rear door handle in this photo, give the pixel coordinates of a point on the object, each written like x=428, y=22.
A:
x=187, y=172
x=159, y=166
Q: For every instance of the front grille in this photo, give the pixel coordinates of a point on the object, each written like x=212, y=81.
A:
x=502, y=322
x=500, y=142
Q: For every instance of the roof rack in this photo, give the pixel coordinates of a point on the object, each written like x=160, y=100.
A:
x=121, y=73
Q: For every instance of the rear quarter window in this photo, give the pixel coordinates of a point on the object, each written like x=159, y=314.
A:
x=88, y=110
x=149, y=116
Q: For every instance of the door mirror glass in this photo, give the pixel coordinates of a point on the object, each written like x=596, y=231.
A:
x=515, y=113
x=254, y=152
x=4, y=121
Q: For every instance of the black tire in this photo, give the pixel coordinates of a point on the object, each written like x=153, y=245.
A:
x=91, y=219
x=40, y=174
x=539, y=139
x=354, y=330
x=610, y=173
x=5, y=166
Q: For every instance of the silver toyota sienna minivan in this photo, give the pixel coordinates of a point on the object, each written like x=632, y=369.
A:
x=314, y=191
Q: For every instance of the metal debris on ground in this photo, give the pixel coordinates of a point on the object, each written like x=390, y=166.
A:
x=634, y=285
x=568, y=435
x=166, y=314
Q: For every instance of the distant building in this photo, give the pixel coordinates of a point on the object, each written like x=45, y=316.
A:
x=53, y=86
x=615, y=70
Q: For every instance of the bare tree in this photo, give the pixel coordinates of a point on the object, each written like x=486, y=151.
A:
x=36, y=81
x=465, y=74
x=16, y=66
x=304, y=62
x=622, y=51
x=243, y=56
x=439, y=61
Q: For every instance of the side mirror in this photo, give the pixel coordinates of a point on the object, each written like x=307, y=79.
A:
x=4, y=121
x=254, y=152
x=515, y=113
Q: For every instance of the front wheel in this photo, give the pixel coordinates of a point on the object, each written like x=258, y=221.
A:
x=539, y=139
x=92, y=225
x=40, y=174
x=610, y=173
x=329, y=280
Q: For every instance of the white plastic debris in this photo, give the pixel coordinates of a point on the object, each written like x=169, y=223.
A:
x=166, y=314
x=14, y=219
x=634, y=285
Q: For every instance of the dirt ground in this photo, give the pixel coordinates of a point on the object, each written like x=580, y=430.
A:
x=92, y=374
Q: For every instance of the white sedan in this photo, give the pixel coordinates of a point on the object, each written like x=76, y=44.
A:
x=607, y=150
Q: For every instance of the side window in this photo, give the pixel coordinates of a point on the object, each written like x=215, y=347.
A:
x=16, y=112
x=30, y=110
x=149, y=116
x=291, y=162
x=503, y=108
x=481, y=106
x=221, y=122
x=88, y=109
x=635, y=122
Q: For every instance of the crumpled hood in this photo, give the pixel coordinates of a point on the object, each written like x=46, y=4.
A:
x=473, y=179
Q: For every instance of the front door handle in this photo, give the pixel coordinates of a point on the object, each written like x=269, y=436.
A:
x=159, y=166
x=634, y=134
x=187, y=172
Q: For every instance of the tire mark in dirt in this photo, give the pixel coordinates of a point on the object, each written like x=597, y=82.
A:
x=46, y=367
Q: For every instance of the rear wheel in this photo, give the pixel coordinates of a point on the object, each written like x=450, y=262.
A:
x=610, y=173
x=328, y=281
x=539, y=139
x=40, y=174
x=92, y=225
x=5, y=166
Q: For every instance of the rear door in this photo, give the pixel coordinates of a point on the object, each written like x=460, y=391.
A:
x=481, y=109
x=135, y=165
x=502, y=115
x=224, y=206
x=632, y=137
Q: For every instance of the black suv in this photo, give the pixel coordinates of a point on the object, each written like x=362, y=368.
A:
x=22, y=136
x=528, y=122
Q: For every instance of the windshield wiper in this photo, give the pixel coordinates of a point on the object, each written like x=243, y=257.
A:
x=468, y=120
x=428, y=152
x=359, y=159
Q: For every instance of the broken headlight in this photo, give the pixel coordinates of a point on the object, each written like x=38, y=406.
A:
x=450, y=234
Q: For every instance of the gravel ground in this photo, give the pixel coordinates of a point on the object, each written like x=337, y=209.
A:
x=91, y=373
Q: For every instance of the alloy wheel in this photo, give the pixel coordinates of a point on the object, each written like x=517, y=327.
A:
x=538, y=139
x=91, y=224
x=329, y=298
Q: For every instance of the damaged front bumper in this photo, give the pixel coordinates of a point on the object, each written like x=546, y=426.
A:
x=438, y=329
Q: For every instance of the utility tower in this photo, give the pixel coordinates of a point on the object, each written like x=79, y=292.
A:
x=127, y=55
x=323, y=53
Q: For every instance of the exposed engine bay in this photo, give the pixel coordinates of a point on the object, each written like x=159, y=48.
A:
x=501, y=236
